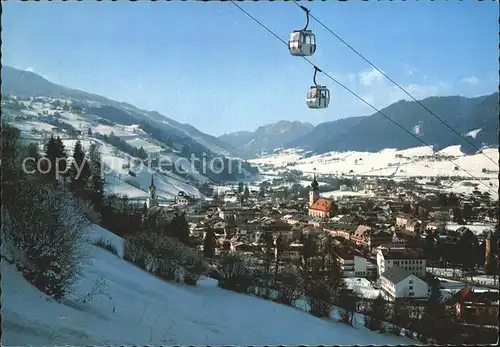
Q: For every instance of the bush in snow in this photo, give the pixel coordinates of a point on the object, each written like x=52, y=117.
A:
x=235, y=272
x=106, y=245
x=136, y=252
x=164, y=256
x=193, y=269
x=376, y=315
x=347, y=301
x=289, y=286
x=43, y=230
x=319, y=298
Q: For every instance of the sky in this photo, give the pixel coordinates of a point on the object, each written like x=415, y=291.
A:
x=210, y=65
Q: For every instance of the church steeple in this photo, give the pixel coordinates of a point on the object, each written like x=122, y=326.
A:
x=314, y=192
x=152, y=199
x=315, y=184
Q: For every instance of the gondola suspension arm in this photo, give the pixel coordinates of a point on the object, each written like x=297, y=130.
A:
x=306, y=10
x=316, y=70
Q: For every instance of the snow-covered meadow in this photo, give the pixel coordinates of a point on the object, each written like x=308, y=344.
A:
x=138, y=308
x=396, y=164
x=412, y=162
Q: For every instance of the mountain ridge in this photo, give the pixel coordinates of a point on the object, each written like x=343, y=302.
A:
x=477, y=115
x=186, y=137
x=375, y=132
x=357, y=133
x=267, y=137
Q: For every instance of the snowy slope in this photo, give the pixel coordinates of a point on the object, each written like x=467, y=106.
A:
x=167, y=184
x=142, y=309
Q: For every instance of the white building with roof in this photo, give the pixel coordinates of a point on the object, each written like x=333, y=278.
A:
x=398, y=283
x=411, y=260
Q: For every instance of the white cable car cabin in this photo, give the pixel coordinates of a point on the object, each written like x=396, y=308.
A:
x=302, y=43
x=318, y=97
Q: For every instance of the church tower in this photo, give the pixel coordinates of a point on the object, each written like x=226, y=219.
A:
x=152, y=199
x=314, y=192
x=487, y=249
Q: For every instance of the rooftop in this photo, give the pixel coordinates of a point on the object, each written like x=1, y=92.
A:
x=402, y=254
x=395, y=274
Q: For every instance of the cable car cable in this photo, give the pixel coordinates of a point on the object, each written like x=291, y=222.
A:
x=397, y=85
x=355, y=94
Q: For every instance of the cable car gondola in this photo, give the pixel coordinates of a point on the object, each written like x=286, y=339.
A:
x=317, y=96
x=302, y=42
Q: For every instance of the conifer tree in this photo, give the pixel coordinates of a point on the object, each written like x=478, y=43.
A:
x=56, y=155
x=96, y=178
x=62, y=155
x=32, y=152
x=267, y=243
x=179, y=228
x=79, y=172
x=209, y=243
x=9, y=151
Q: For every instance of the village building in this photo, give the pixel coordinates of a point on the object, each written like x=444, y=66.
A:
x=411, y=260
x=402, y=219
x=320, y=207
x=413, y=227
x=370, y=237
x=340, y=230
x=354, y=265
x=370, y=186
x=184, y=199
x=398, y=283
x=479, y=308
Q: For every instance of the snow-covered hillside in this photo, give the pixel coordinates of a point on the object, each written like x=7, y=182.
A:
x=117, y=176
x=138, y=308
x=397, y=164
x=419, y=161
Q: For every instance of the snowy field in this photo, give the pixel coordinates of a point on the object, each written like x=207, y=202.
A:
x=476, y=228
x=339, y=193
x=404, y=163
x=139, y=309
x=455, y=285
x=394, y=164
x=146, y=145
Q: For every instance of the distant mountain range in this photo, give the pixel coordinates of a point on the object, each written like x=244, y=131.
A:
x=183, y=136
x=268, y=137
x=477, y=119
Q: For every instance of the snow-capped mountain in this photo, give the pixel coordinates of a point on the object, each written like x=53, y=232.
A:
x=474, y=118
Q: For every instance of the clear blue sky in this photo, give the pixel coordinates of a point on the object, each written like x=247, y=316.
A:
x=209, y=65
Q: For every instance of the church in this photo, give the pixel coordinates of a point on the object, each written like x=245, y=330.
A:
x=320, y=207
x=155, y=215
